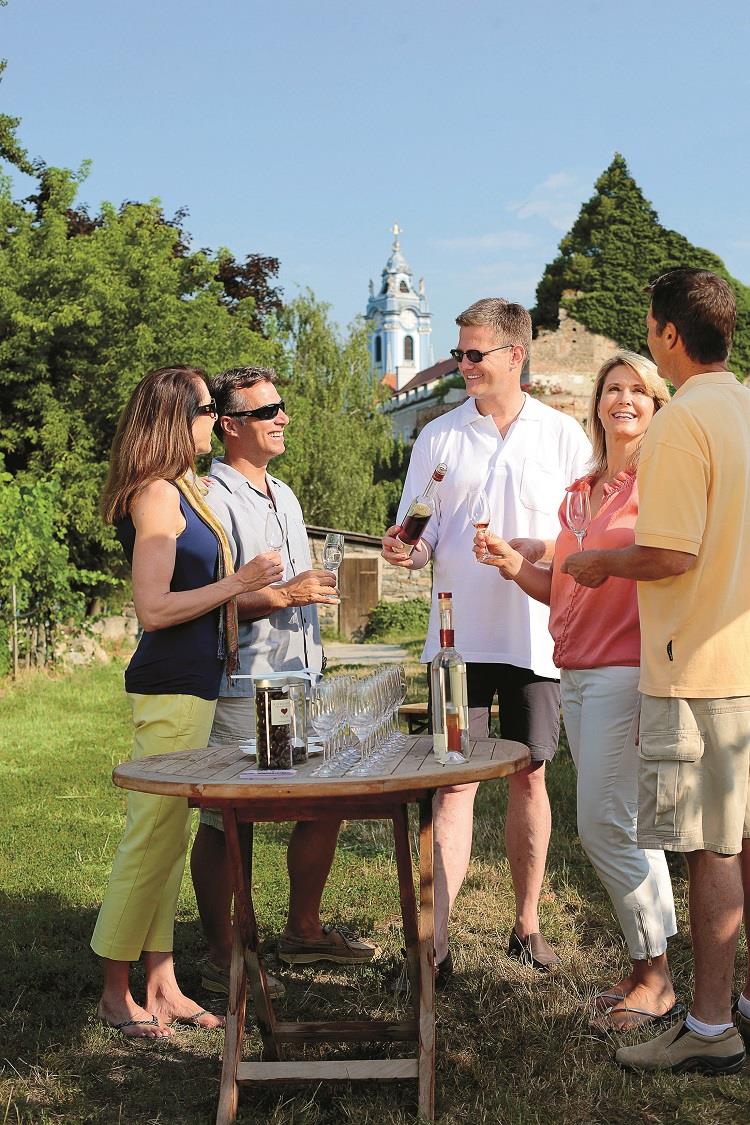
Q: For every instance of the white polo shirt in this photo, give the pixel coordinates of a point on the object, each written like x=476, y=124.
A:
x=288, y=639
x=525, y=475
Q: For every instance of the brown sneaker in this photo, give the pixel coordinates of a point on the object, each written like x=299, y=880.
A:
x=216, y=979
x=680, y=1049
x=533, y=951
x=336, y=943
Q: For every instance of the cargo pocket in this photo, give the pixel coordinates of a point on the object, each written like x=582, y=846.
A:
x=669, y=782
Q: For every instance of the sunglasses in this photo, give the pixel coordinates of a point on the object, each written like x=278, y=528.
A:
x=474, y=355
x=264, y=413
x=208, y=408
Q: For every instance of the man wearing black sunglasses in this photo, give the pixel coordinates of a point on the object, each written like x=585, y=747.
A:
x=278, y=633
x=523, y=454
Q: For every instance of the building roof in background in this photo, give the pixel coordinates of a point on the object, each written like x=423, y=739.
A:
x=430, y=374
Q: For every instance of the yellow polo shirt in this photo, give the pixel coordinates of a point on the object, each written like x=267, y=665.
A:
x=694, y=487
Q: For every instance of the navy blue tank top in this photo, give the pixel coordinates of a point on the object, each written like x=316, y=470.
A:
x=181, y=659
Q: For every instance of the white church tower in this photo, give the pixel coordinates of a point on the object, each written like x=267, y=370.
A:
x=399, y=321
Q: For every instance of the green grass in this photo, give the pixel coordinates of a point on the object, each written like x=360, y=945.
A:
x=512, y=1048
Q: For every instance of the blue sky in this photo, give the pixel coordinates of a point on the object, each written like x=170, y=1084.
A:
x=305, y=130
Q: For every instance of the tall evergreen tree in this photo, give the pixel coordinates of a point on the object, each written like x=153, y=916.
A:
x=614, y=248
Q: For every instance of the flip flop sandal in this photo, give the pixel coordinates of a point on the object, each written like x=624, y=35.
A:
x=194, y=1021
x=643, y=1018
x=607, y=999
x=120, y=1027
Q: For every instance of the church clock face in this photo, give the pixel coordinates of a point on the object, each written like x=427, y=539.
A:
x=408, y=319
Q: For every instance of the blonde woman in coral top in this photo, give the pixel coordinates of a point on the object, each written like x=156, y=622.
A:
x=597, y=648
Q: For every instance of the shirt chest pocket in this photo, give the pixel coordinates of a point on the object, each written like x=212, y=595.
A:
x=540, y=489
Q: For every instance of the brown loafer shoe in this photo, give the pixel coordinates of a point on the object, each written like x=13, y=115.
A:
x=533, y=951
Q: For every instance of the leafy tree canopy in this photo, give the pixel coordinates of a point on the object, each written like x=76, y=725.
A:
x=87, y=306
x=614, y=248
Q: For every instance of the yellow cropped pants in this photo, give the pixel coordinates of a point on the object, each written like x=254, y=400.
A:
x=139, y=906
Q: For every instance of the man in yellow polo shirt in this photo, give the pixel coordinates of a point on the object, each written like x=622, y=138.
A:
x=691, y=558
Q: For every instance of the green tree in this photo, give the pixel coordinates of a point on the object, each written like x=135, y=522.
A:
x=36, y=572
x=614, y=248
x=337, y=438
x=86, y=308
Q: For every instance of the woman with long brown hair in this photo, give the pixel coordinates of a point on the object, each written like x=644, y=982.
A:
x=184, y=591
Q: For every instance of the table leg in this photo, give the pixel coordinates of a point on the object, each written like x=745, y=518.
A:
x=408, y=901
x=245, y=964
x=233, y=1034
x=426, y=1051
x=236, y=1004
x=244, y=919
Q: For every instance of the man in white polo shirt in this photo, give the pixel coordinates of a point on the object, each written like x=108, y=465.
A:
x=523, y=454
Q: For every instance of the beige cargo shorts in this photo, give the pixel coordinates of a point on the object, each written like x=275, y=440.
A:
x=693, y=776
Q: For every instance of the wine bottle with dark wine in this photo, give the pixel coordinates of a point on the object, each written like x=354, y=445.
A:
x=420, y=512
x=450, y=710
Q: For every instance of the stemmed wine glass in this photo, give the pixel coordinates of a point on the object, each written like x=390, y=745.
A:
x=276, y=530
x=479, y=511
x=578, y=514
x=333, y=553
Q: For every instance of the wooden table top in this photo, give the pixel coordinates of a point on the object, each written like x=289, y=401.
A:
x=214, y=774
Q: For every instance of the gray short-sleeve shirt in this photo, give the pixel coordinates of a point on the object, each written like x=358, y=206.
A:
x=288, y=639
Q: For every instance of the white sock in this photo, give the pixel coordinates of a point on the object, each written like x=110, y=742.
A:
x=706, y=1029
x=744, y=1005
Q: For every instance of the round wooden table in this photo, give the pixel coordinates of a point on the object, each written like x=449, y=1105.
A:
x=214, y=778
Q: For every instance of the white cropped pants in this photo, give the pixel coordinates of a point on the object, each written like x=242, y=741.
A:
x=600, y=710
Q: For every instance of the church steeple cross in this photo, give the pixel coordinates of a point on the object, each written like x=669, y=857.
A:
x=396, y=230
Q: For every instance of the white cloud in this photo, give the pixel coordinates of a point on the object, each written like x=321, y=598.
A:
x=556, y=200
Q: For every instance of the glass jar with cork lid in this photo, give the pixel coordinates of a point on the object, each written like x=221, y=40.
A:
x=280, y=721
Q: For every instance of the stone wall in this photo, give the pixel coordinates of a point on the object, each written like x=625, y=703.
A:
x=569, y=352
x=564, y=362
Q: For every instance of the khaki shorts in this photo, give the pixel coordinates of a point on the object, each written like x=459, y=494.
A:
x=693, y=774
x=234, y=718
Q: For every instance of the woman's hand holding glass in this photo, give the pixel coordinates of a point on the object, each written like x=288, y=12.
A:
x=259, y=572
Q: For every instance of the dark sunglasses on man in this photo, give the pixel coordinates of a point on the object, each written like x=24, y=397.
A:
x=474, y=355
x=264, y=413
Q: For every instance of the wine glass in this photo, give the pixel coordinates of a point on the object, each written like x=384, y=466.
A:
x=363, y=717
x=333, y=553
x=321, y=713
x=578, y=514
x=479, y=512
x=276, y=530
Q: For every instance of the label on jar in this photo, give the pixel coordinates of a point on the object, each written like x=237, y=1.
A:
x=281, y=712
